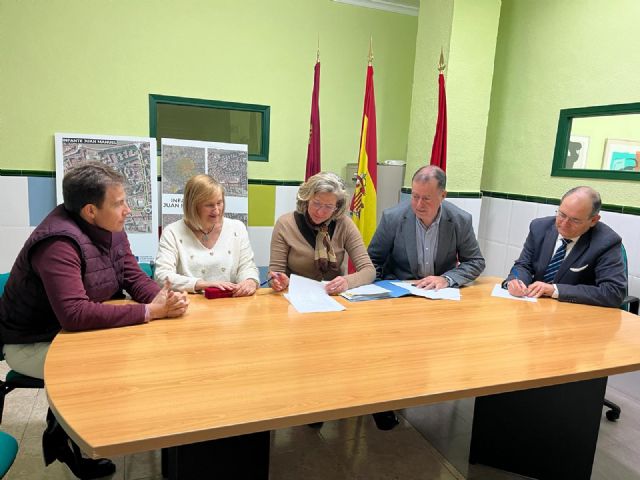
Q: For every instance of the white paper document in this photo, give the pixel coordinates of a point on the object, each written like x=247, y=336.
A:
x=442, y=294
x=500, y=292
x=309, y=296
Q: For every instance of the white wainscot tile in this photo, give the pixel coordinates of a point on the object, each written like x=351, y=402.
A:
x=494, y=255
x=260, y=238
x=458, y=202
x=472, y=206
x=546, y=210
x=521, y=215
x=13, y=239
x=627, y=226
x=511, y=256
x=495, y=219
x=485, y=206
x=285, y=200
x=14, y=191
x=634, y=285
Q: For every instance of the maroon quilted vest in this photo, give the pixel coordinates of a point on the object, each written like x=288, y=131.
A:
x=26, y=315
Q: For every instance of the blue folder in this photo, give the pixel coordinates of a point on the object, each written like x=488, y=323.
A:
x=396, y=292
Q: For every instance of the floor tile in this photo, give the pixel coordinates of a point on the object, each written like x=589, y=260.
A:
x=305, y=463
x=397, y=454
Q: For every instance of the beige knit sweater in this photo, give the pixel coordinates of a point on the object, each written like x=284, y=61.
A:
x=291, y=253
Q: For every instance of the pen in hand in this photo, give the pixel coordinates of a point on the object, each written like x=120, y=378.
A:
x=266, y=281
x=520, y=283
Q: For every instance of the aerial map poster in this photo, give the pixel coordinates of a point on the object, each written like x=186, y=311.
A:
x=135, y=158
x=226, y=162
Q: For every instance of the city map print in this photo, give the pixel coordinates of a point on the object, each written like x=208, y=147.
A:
x=130, y=158
x=227, y=163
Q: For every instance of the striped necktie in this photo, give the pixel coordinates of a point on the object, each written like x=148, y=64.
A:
x=556, y=261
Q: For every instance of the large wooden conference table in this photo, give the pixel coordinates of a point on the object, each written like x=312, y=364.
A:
x=236, y=366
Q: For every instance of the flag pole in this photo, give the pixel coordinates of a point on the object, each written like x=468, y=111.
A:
x=313, y=147
x=441, y=64
x=439, y=147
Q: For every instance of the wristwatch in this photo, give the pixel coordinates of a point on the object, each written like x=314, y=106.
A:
x=449, y=281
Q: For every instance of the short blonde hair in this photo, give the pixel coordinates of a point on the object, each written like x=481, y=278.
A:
x=323, y=182
x=199, y=189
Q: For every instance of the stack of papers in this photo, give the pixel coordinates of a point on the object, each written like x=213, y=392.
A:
x=442, y=294
x=309, y=296
x=366, y=292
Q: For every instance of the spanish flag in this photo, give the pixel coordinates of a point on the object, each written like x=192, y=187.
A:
x=363, y=203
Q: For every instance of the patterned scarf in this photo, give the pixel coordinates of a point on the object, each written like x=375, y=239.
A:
x=324, y=256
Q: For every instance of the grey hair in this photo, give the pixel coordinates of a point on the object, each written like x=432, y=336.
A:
x=424, y=174
x=596, y=201
x=323, y=182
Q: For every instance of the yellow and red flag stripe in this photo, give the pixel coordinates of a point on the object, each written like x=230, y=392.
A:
x=363, y=203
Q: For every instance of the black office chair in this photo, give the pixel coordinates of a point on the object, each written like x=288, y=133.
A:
x=13, y=379
x=630, y=304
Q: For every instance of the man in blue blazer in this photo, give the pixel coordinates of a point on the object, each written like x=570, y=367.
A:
x=571, y=257
x=427, y=239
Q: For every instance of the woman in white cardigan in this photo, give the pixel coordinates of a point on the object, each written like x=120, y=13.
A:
x=205, y=249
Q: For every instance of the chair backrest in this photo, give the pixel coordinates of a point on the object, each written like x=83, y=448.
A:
x=148, y=268
x=3, y=281
x=8, y=452
x=630, y=304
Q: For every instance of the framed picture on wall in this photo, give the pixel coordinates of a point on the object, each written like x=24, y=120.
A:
x=621, y=155
x=577, y=151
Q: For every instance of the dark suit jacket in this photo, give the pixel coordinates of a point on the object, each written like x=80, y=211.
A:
x=593, y=273
x=394, y=253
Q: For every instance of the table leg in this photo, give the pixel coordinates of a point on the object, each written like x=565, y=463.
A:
x=245, y=457
x=545, y=433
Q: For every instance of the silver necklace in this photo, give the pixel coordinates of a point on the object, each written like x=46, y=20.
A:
x=205, y=235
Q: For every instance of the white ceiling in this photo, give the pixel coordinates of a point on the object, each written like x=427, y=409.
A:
x=406, y=7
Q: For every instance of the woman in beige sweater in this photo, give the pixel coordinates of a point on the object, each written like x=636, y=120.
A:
x=317, y=239
x=316, y=242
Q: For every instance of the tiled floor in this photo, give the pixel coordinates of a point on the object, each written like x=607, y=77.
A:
x=347, y=449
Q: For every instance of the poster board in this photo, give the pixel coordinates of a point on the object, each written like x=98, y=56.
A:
x=226, y=162
x=135, y=158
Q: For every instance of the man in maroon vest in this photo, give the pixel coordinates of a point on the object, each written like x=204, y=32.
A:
x=77, y=258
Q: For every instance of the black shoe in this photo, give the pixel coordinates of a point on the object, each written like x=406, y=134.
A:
x=386, y=420
x=56, y=445
x=316, y=425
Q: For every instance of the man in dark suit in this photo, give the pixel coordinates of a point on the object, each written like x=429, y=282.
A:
x=427, y=239
x=572, y=257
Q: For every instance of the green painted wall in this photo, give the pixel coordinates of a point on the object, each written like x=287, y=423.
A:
x=553, y=55
x=467, y=32
x=88, y=66
x=473, y=45
x=434, y=32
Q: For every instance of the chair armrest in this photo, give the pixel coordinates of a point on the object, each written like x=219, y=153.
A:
x=630, y=304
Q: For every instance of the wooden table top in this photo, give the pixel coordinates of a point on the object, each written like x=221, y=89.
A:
x=234, y=366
